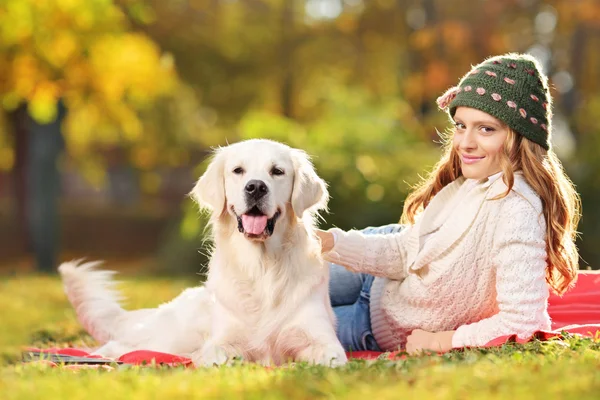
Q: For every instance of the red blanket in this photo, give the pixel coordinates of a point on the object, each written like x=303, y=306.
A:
x=578, y=312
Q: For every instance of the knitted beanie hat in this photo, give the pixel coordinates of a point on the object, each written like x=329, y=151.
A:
x=510, y=87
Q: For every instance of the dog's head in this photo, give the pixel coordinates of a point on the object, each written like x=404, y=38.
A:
x=257, y=182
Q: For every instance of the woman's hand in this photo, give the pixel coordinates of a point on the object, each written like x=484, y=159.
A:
x=419, y=341
x=327, y=240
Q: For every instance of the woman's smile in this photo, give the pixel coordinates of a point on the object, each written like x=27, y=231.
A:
x=468, y=159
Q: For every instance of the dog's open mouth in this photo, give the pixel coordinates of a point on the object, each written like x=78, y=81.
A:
x=255, y=224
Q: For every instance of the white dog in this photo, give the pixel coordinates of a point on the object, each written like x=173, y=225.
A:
x=266, y=296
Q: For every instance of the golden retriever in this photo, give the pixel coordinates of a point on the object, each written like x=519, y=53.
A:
x=266, y=295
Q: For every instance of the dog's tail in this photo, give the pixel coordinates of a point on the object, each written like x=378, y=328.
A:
x=92, y=294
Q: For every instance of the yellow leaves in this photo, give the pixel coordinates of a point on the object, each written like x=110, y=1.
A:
x=60, y=48
x=79, y=51
x=7, y=158
x=25, y=73
x=93, y=171
x=87, y=124
x=129, y=67
x=16, y=21
x=129, y=122
x=43, y=103
x=78, y=77
x=10, y=101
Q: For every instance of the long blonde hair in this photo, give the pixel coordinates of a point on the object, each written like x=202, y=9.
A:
x=543, y=171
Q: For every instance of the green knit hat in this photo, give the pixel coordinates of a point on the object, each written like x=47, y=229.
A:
x=510, y=87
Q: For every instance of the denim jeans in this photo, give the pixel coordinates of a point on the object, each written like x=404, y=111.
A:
x=350, y=295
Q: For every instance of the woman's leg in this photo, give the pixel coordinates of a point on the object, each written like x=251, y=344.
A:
x=344, y=286
x=354, y=321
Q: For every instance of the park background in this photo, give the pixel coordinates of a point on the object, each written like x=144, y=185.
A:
x=109, y=109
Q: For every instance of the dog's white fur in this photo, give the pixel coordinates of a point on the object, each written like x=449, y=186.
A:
x=265, y=299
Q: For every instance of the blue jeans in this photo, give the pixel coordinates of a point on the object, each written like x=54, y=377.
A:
x=350, y=295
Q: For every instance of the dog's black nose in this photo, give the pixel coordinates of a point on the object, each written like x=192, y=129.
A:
x=256, y=189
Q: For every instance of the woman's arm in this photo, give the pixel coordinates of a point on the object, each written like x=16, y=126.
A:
x=379, y=254
x=520, y=261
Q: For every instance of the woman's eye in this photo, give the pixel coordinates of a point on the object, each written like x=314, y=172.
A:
x=487, y=129
x=238, y=171
x=277, y=171
x=459, y=125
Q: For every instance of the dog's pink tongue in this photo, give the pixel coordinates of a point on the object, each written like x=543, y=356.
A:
x=254, y=225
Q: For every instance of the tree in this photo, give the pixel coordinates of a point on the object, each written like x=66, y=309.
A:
x=70, y=64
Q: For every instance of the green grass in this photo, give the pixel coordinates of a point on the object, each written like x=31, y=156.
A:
x=34, y=311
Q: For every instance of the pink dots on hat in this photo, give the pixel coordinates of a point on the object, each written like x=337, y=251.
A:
x=543, y=126
x=534, y=120
x=523, y=112
x=491, y=73
x=545, y=105
x=496, y=96
x=511, y=104
x=509, y=81
x=475, y=71
x=530, y=71
x=512, y=65
x=468, y=88
x=534, y=97
x=480, y=91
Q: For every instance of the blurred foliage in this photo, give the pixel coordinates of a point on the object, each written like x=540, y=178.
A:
x=371, y=151
x=110, y=77
x=353, y=82
x=84, y=53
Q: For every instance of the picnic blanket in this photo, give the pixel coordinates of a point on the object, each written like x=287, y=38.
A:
x=576, y=312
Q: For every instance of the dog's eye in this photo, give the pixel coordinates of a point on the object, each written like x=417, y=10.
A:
x=277, y=171
x=238, y=171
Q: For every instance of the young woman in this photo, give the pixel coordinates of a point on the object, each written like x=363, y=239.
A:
x=483, y=240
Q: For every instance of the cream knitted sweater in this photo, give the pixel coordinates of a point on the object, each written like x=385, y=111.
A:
x=480, y=272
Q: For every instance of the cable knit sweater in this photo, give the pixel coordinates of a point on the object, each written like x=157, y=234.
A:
x=480, y=271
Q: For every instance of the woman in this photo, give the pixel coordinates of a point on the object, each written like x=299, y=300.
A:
x=484, y=238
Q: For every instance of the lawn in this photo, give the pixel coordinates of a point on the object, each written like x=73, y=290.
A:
x=34, y=311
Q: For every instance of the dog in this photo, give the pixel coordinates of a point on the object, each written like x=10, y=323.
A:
x=265, y=298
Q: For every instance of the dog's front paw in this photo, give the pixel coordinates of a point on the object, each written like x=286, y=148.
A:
x=327, y=355
x=210, y=355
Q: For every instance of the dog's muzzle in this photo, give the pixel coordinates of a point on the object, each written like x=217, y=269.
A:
x=254, y=224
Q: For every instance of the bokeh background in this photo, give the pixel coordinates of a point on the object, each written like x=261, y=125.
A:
x=110, y=107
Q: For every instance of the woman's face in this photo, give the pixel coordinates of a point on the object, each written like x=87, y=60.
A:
x=478, y=140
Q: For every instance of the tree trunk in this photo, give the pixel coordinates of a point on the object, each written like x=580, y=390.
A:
x=38, y=148
x=18, y=119
x=287, y=48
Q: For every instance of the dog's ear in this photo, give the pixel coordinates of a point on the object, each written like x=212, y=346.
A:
x=309, y=190
x=209, y=191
